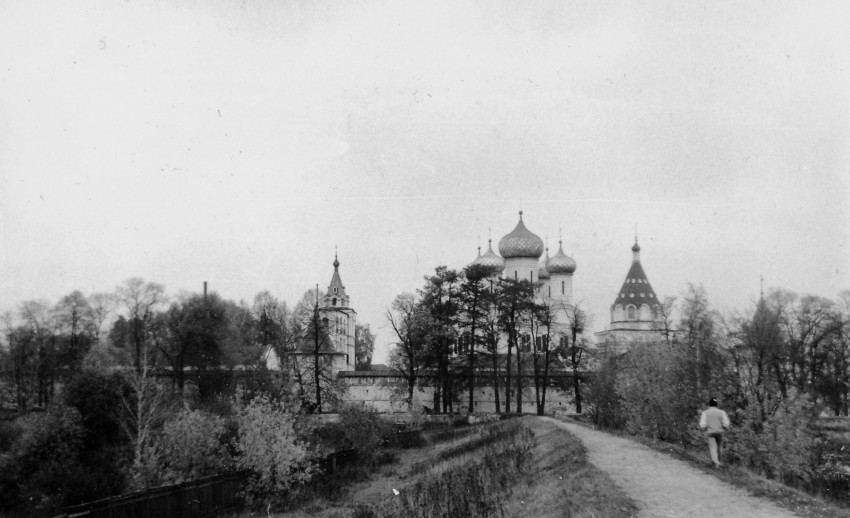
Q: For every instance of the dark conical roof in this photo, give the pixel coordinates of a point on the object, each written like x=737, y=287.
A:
x=636, y=288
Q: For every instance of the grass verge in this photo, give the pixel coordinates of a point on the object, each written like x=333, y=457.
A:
x=564, y=483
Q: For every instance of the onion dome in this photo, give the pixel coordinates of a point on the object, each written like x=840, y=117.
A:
x=543, y=272
x=521, y=243
x=561, y=263
x=490, y=259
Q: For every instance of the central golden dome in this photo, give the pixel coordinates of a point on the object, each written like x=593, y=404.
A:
x=521, y=243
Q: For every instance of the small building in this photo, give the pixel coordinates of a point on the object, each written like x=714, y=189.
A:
x=636, y=314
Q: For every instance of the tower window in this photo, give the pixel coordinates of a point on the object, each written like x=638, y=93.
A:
x=562, y=287
x=334, y=289
x=333, y=302
x=631, y=311
x=516, y=275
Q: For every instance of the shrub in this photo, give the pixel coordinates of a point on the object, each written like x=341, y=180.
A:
x=8, y=433
x=193, y=445
x=781, y=447
x=364, y=431
x=268, y=446
x=46, y=457
x=98, y=399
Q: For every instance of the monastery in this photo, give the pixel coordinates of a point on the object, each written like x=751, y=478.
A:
x=633, y=318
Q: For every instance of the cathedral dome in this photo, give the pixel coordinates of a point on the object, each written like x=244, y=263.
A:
x=561, y=263
x=491, y=260
x=521, y=243
x=543, y=272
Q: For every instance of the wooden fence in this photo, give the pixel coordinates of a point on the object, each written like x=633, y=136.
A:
x=204, y=498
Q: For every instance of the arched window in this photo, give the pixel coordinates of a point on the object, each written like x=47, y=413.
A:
x=333, y=302
x=631, y=312
x=562, y=287
x=618, y=313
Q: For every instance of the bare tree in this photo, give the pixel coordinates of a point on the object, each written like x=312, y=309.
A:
x=100, y=308
x=410, y=324
x=140, y=299
x=576, y=349
x=143, y=408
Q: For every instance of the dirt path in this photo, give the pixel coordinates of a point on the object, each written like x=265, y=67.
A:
x=667, y=487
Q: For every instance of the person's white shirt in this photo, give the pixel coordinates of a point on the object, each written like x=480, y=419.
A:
x=714, y=420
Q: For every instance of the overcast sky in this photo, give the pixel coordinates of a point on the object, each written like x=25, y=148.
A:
x=239, y=142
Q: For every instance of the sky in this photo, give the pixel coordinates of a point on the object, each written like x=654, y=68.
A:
x=243, y=142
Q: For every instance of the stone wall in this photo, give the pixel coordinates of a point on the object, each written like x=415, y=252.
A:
x=384, y=391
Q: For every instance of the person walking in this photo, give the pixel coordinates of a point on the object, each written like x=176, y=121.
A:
x=714, y=422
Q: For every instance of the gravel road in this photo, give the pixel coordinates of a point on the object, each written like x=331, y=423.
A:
x=664, y=486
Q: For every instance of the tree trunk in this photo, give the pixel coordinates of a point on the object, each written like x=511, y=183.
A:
x=508, y=378
x=495, y=373
x=519, y=379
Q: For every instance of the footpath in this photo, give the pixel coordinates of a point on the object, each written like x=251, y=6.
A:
x=666, y=487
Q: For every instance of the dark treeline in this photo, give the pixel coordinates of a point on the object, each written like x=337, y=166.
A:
x=471, y=327
x=118, y=391
x=776, y=369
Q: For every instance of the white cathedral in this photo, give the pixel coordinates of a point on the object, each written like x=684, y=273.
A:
x=633, y=315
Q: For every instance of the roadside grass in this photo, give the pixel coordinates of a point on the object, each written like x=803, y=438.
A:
x=799, y=502
x=564, y=483
x=522, y=467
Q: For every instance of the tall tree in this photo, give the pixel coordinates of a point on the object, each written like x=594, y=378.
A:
x=516, y=300
x=39, y=329
x=410, y=325
x=473, y=309
x=576, y=349
x=364, y=347
x=439, y=298
x=492, y=335
x=139, y=299
x=101, y=306
x=73, y=319
x=195, y=336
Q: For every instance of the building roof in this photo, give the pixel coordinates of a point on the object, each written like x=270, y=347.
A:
x=543, y=272
x=521, y=243
x=561, y=263
x=490, y=260
x=336, y=288
x=636, y=288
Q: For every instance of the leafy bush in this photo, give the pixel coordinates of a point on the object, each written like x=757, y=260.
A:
x=8, y=433
x=193, y=445
x=605, y=406
x=45, y=458
x=782, y=447
x=268, y=445
x=365, y=431
x=98, y=399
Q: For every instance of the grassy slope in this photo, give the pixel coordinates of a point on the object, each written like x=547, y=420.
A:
x=564, y=483
x=561, y=481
